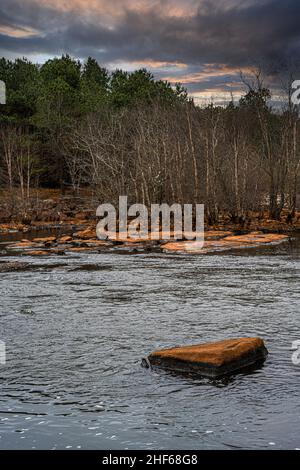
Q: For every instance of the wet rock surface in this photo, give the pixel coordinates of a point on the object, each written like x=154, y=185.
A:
x=211, y=359
x=14, y=266
x=213, y=242
x=18, y=266
x=86, y=241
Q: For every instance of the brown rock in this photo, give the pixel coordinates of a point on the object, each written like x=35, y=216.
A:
x=86, y=234
x=65, y=239
x=130, y=237
x=123, y=237
x=44, y=240
x=93, y=242
x=81, y=249
x=36, y=253
x=80, y=216
x=211, y=359
x=78, y=249
x=253, y=239
x=257, y=238
x=183, y=247
x=216, y=234
x=22, y=244
x=57, y=251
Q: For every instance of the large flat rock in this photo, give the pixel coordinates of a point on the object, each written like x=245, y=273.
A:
x=211, y=359
x=211, y=244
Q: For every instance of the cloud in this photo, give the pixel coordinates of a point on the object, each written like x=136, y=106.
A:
x=231, y=34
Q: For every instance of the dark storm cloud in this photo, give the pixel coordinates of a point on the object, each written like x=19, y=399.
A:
x=241, y=35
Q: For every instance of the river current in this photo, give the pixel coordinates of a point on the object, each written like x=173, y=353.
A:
x=76, y=328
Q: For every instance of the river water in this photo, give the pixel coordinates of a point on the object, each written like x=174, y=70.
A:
x=77, y=326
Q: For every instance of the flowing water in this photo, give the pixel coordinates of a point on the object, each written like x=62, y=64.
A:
x=76, y=328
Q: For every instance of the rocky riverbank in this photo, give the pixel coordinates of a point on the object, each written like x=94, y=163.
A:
x=52, y=208
x=71, y=222
x=85, y=241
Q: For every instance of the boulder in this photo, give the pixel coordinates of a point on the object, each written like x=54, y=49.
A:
x=86, y=234
x=22, y=244
x=251, y=240
x=82, y=249
x=46, y=240
x=93, y=242
x=36, y=253
x=65, y=239
x=211, y=359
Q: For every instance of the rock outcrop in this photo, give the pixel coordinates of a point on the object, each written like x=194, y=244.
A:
x=223, y=243
x=86, y=240
x=211, y=359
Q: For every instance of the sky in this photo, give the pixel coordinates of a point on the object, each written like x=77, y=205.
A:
x=204, y=44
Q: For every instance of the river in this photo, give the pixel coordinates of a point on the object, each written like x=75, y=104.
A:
x=76, y=327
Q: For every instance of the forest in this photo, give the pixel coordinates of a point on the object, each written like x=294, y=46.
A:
x=76, y=126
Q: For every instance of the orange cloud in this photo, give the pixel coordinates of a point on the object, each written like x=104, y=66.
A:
x=117, y=8
x=148, y=63
x=18, y=32
x=209, y=71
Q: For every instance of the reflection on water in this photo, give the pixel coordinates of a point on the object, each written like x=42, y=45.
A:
x=77, y=327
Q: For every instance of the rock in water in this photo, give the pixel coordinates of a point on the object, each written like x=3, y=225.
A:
x=211, y=359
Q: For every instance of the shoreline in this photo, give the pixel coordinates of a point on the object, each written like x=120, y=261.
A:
x=268, y=226
x=48, y=209
x=70, y=239
x=59, y=223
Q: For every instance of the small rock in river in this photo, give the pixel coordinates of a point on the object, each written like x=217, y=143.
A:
x=65, y=239
x=211, y=359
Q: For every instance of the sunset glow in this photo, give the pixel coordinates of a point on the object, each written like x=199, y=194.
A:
x=204, y=44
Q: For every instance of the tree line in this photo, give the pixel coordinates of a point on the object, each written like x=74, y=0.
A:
x=75, y=125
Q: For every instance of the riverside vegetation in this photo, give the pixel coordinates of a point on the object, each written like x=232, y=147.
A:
x=89, y=135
